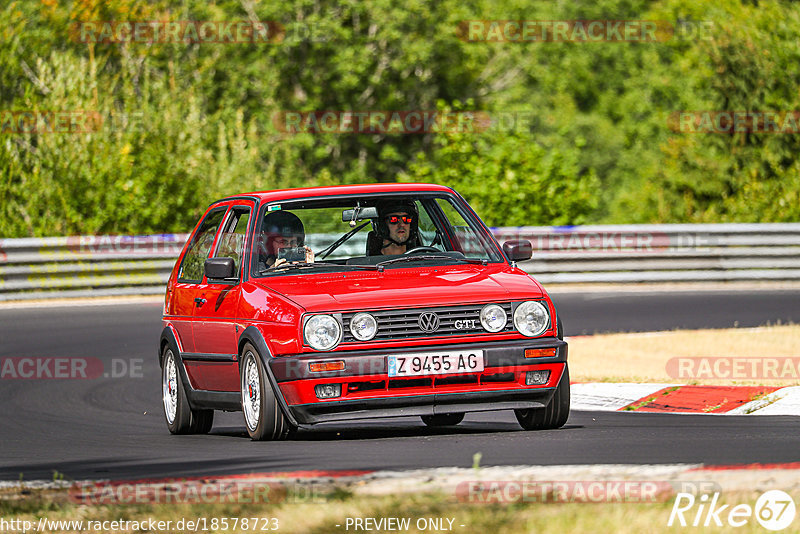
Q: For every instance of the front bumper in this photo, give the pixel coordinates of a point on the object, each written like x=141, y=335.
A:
x=368, y=392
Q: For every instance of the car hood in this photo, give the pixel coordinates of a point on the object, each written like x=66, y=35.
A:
x=405, y=288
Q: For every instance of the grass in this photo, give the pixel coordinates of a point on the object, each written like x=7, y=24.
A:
x=644, y=357
x=323, y=517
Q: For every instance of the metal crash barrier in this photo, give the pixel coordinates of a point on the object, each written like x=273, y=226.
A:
x=84, y=266
x=625, y=254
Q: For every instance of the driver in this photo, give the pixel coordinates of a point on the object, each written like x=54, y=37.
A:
x=398, y=226
x=281, y=230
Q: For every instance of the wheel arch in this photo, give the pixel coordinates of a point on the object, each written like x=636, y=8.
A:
x=254, y=336
x=169, y=339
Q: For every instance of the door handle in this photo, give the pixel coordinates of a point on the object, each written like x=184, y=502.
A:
x=199, y=301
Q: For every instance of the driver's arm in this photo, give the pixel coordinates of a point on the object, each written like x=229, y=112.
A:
x=281, y=261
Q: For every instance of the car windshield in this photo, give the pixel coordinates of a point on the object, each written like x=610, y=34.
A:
x=368, y=233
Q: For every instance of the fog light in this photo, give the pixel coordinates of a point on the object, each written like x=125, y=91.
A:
x=532, y=378
x=328, y=391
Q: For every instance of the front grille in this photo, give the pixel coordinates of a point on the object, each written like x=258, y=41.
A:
x=402, y=324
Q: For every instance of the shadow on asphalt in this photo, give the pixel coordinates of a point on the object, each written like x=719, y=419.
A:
x=384, y=431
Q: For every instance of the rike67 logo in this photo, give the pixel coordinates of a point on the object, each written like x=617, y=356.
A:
x=774, y=510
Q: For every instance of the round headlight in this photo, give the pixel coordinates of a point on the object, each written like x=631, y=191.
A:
x=322, y=332
x=531, y=318
x=363, y=326
x=493, y=318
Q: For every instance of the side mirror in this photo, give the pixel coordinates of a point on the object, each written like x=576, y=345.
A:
x=219, y=268
x=520, y=250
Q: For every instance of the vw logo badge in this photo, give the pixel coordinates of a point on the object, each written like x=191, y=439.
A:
x=428, y=322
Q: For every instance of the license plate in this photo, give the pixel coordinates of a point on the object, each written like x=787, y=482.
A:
x=435, y=363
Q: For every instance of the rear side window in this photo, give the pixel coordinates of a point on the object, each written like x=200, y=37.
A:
x=231, y=241
x=192, y=267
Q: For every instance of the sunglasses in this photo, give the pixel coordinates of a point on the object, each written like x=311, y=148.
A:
x=395, y=219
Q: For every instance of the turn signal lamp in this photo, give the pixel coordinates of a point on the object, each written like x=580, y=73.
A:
x=540, y=353
x=321, y=367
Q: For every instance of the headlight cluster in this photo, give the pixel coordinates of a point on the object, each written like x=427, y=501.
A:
x=322, y=332
x=363, y=326
x=493, y=318
x=531, y=318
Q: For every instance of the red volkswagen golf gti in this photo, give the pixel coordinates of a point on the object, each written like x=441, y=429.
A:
x=339, y=303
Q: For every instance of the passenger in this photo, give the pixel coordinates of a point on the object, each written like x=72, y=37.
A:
x=398, y=226
x=280, y=230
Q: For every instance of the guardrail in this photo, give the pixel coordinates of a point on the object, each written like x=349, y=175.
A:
x=661, y=253
x=139, y=265
x=81, y=266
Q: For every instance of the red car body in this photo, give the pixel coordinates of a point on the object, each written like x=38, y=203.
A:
x=209, y=323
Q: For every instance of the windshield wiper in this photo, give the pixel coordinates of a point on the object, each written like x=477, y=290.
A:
x=424, y=257
x=300, y=265
x=289, y=267
x=367, y=267
x=336, y=244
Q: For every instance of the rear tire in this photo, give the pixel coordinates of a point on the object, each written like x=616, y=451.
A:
x=443, y=419
x=554, y=415
x=262, y=414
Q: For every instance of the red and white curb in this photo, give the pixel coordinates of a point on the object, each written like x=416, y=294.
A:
x=679, y=398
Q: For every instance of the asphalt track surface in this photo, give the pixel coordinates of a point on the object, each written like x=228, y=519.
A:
x=114, y=427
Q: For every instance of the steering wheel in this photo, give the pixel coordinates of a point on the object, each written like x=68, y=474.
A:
x=422, y=249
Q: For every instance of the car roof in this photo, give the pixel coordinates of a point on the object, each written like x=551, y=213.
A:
x=336, y=190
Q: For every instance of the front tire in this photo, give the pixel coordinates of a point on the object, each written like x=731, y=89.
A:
x=443, y=419
x=176, y=405
x=554, y=415
x=202, y=421
x=262, y=414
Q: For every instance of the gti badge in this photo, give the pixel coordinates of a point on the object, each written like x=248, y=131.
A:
x=428, y=322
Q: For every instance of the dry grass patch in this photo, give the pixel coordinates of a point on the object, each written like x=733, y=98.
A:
x=643, y=357
x=323, y=517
